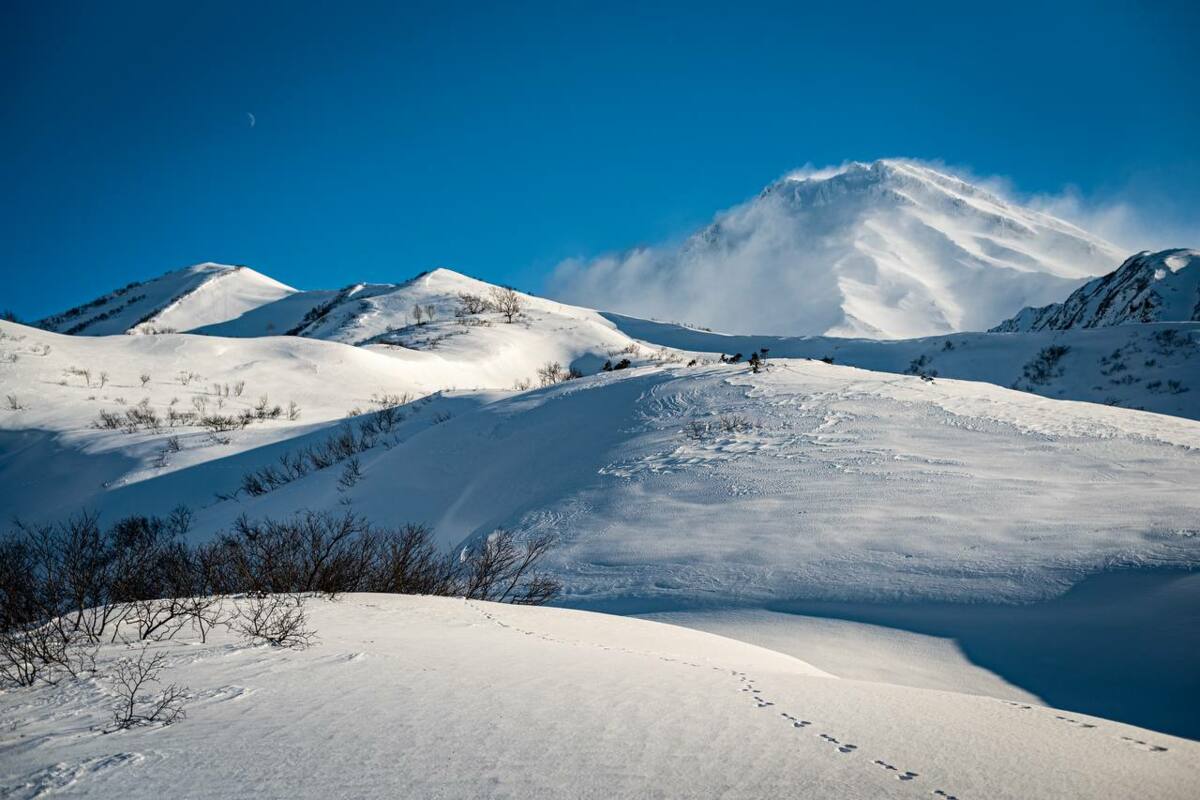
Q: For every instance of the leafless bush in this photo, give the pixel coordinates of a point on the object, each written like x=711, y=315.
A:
x=263, y=410
x=471, y=304
x=293, y=411
x=551, y=373
x=79, y=372
x=277, y=619
x=522, y=384
x=185, y=377
x=351, y=474
x=44, y=653
x=13, y=403
x=144, y=378
x=238, y=388
x=135, y=707
x=506, y=301
x=217, y=423
x=103, y=379
x=502, y=569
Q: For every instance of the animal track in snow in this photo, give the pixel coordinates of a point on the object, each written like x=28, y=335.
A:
x=1074, y=722
x=907, y=775
x=1141, y=745
x=842, y=747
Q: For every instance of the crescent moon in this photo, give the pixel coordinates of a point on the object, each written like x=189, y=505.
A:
x=252, y=120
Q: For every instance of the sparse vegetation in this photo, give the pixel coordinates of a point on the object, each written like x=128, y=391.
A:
x=1045, y=366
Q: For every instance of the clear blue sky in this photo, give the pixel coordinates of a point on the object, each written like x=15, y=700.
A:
x=500, y=138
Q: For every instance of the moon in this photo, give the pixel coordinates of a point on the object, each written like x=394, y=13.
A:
x=252, y=120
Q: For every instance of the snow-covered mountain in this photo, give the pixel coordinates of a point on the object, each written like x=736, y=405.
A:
x=890, y=249
x=176, y=301
x=1148, y=287
x=673, y=479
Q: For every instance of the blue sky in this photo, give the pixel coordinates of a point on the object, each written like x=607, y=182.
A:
x=499, y=139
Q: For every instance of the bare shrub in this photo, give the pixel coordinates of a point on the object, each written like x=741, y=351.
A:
x=521, y=384
x=238, y=388
x=13, y=403
x=144, y=378
x=351, y=474
x=135, y=707
x=277, y=619
x=502, y=569
x=506, y=301
x=471, y=304
x=551, y=373
x=293, y=411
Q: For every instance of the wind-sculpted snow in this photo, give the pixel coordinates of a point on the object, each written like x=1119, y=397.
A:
x=893, y=249
x=809, y=481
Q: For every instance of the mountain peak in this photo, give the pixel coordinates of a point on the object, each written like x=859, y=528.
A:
x=893, y=248
x=181, y=299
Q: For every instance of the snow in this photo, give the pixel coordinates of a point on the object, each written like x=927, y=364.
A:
x=177, y=301
x=1148, y=287
x=427, y=697
x=1152, y=367
x=926, y=541
x=892, y=249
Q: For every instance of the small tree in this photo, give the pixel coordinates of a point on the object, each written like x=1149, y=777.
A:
x=507, y=302
x=135, y=708
x=144, y=378
x=418, y=312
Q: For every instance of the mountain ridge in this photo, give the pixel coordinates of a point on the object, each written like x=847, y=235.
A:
x=1149, y=286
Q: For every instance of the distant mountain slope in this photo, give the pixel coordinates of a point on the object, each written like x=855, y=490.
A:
x=177, y=301
x=1154, y=367
x=891, y=249
x=1148, y=287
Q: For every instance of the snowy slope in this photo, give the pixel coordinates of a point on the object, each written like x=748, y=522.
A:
x=832, y=483
x=429, y=697
x=1152, y=367
x=177, y=301
x=1149, y=287
x=891, y=249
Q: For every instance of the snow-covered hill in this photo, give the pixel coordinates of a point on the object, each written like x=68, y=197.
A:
x=891, y=249
x=650, y=473
x=176, y=301
x=1148, y=287
x=435, y=697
